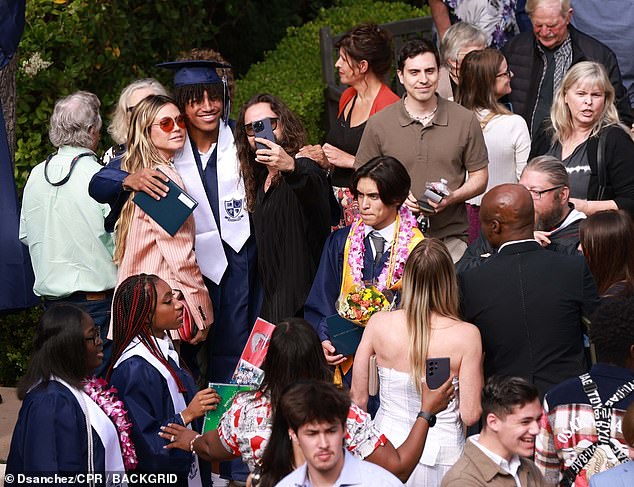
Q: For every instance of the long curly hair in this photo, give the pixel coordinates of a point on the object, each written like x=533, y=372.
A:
x=141, y=153
x=293, y=138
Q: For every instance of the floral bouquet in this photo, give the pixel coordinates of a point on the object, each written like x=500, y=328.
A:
x=360, y=303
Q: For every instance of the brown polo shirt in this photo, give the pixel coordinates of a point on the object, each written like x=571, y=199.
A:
x=448, y=148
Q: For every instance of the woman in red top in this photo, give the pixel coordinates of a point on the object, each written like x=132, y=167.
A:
x=364, y=63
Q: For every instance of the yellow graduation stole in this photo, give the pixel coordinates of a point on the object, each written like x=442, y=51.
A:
x=348, y=283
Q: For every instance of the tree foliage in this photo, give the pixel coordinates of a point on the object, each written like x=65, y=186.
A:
x=94, y=45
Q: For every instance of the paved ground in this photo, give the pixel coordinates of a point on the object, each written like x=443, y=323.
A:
x=8, y=416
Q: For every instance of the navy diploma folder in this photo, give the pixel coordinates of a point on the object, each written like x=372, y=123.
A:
x=169, y=212
x=345, y=335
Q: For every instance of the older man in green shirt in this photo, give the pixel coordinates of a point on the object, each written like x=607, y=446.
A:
x=62, y=225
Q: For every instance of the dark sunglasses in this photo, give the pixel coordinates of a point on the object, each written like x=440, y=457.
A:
x=167, y=123
x=250, y=130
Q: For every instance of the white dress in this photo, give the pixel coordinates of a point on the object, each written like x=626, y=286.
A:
x=400, y=403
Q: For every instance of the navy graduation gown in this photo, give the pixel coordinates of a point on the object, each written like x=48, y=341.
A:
x=146, y=396
x=50, y=435
x=236, y=300
x=327, y=284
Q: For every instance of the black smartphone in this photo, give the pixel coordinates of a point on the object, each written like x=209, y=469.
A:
x=437, y=371
x=426, y=207
x=262, y=128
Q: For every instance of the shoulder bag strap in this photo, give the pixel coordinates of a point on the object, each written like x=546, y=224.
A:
x=602, y=172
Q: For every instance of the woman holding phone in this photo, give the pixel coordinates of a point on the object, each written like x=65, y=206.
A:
x=288, y=196
x=429, y=322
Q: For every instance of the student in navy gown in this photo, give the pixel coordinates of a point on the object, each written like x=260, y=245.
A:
x=380, y=187
x=225, y=244
x=151, y=382
x=51, y=434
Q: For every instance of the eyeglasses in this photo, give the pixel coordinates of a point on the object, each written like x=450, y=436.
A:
x=537, y=194
x=248, y=128
x=508, y=73
x=96, y=336
x=167, y=123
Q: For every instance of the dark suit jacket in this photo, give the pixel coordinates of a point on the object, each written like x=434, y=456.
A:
x=528, y=303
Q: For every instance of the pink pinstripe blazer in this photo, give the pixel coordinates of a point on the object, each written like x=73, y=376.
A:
x=150, y=249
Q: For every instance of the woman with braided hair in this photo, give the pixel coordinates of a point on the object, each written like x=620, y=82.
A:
x=151, y=381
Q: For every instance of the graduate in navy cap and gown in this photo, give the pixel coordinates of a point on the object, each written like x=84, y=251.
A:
x=60, y=428
x=370, y=252
x=225, y=245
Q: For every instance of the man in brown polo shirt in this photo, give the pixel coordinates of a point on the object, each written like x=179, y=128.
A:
x=434, y=138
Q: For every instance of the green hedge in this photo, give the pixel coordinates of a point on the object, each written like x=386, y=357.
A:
x=16, y=330
x=293, y=70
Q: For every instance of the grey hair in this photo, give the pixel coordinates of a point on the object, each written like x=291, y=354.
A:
x=532, y=5
x=459, y=35
x=551, y=167
x=118, y=128
x=72, y=119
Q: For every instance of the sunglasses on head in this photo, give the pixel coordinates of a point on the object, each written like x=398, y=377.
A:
x=167, y=123
x=251, y=128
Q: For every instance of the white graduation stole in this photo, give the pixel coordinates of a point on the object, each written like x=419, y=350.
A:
x=104, y=427
x=136, y=348
x=234, y=219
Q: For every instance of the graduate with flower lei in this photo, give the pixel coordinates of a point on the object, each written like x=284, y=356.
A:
x=67, y=423
x=351, y=281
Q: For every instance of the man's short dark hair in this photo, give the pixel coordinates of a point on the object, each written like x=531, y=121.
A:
x=612, y=330
x=314, y=401
x=389, y=175
x=501, y=394
x=414, y=48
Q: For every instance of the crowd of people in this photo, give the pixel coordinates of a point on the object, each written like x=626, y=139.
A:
x=479, y=228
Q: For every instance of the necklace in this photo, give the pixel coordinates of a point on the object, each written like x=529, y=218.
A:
x=423, y=119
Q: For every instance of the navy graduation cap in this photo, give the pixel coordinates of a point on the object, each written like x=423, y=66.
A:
x=194, y=72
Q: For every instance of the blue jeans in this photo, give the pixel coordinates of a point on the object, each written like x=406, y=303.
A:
x=99, y=311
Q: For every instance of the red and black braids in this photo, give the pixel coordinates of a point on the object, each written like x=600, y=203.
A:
x=133, y=310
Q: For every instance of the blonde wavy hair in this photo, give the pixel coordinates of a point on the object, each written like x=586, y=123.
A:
x=429, y=285
x=587, y=74
x=141, y=153
x=118, y=128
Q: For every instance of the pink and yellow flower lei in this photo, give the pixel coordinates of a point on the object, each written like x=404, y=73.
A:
x=393, y=269
x=107, y=400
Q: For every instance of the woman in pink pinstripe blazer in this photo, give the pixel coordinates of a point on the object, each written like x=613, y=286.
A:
x=157, y=131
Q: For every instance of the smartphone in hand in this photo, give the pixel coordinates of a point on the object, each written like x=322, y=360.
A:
x=437, y=371
x=262, y=128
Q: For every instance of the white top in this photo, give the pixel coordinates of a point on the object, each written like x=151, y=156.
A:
x=508, y=144
x=509, y=467
x=400, y=403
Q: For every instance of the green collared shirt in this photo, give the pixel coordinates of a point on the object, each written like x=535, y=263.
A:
x=64, y=229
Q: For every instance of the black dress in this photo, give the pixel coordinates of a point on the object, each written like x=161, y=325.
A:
x=346, y=138
x=292, y=221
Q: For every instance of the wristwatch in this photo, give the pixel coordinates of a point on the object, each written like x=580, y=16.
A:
x=430, y=418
